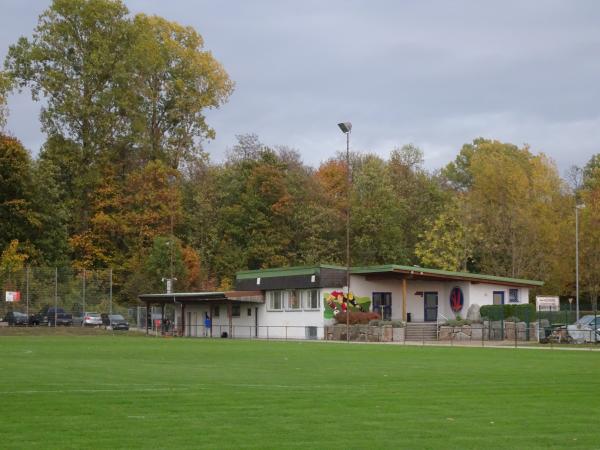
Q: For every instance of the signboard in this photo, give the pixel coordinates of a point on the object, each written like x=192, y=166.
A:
x=13, y=296
x=547, y=303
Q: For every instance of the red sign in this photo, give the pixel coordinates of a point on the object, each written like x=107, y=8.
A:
x=13, y=296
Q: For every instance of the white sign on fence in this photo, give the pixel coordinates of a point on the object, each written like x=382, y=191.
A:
x=547, y=303
x=13, y=296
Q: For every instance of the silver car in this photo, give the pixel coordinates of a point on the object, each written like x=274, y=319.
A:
x=91, y=319
x=586, y=329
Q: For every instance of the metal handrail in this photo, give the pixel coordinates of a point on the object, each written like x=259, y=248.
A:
x=438, y=323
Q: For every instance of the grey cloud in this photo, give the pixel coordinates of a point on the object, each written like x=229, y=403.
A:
x=434, y=73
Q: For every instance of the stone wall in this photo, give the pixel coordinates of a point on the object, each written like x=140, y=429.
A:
x=364, y=333
x=495, y=330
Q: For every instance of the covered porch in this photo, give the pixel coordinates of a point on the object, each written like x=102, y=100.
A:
x=191, y=308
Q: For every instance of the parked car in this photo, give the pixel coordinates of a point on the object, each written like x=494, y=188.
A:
x=91, y=319
x=586, y=329
x=51, y=317
x=118, y=322
x=15, y=318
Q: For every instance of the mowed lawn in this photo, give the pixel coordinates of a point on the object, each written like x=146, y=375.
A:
x=139, y=392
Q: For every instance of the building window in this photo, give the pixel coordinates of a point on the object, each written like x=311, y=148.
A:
x=235, y=310
x=275, y=300
x=293, y=301
x=311, y=299
x=216, y=311
x=513, y=295
x=249, y=311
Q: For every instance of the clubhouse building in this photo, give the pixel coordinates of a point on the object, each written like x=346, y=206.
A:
x=291, y=302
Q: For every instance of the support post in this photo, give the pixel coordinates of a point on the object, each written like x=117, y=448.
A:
x=229, y=316
x=148, y=315
x=404, y=299
x=182, y=319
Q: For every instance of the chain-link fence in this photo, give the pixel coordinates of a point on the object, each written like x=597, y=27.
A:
x=58, y=296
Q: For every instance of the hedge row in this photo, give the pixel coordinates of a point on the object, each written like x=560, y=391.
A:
x=524, y=313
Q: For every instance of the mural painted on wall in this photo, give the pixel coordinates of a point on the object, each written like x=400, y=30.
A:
x=457, y=299
x=337, y=302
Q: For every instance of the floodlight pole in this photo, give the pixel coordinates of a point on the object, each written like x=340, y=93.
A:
x=346, y=128
x=577, y=208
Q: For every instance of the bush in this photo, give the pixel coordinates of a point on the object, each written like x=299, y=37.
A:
x=357, y=318
x=523, y=312
x=458, y=322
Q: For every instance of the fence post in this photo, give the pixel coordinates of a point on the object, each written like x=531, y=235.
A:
x=27, y=293
x=502, y=323
x=286, y=332
x=110, y=292
x=55, y=295
x=83, y=312
x=482, y=335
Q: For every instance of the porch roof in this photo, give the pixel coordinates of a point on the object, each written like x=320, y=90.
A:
x=425, y=273
x=200, y=297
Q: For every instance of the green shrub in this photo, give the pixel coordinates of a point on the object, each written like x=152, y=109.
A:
x=458, y=322
x=523, y=312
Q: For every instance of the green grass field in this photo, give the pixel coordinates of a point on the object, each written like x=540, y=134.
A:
x=101, y=391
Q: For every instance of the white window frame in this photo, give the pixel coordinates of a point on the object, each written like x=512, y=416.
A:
x=288, y=301
x=306, y=294
x=271, y=298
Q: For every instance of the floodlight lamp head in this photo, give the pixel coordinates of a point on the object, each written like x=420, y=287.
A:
x=580, y=206
x=345, y=127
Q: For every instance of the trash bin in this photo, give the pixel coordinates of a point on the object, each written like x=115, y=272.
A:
x=408, y=318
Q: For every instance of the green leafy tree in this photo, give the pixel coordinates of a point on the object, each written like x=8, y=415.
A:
x=449, y=241
x=377, y=235
x=18, y=218
x=175, y=81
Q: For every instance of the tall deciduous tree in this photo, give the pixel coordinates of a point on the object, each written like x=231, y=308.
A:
x=175, y=81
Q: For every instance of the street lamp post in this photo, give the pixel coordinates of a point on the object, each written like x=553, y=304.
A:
x=577, y=208
x=346, y=128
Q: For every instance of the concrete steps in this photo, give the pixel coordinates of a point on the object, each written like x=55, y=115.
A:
x=421, y=331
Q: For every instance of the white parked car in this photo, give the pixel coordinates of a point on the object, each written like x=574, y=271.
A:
x=586, y=329
x=91, y=319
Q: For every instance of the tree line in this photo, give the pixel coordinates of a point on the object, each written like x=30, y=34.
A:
x=122, y=180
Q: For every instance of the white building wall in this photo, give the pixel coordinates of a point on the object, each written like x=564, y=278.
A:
x=473, y=293
x=483, y=293
x=243, y=326
x=292, y=324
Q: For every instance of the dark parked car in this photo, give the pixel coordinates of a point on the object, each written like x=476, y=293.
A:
x=15, y=318
x=118, y=322
x=51, y=317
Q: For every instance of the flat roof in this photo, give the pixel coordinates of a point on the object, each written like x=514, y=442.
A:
x=190, y=297
x=386, y=268
x=438, y=273
x=284, y=271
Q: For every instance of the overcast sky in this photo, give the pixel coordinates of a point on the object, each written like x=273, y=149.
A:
x=433, y=73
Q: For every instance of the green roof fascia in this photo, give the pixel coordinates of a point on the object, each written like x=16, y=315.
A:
x=424, y=270
x=284, y=271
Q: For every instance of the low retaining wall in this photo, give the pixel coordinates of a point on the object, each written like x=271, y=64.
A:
x=495, y=330
x=364, y=333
